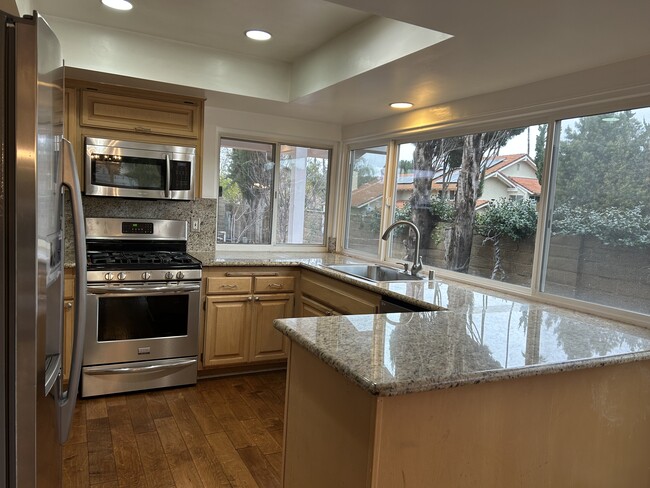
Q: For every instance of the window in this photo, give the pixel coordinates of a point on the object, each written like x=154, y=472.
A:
x=264, y=203
x=457, y=190
x=599, y=247
x=365, y=199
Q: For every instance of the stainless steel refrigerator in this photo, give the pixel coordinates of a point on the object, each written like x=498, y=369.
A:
x=36, y=165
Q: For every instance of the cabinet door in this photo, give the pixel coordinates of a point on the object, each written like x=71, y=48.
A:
x=111, y=111
x=227, y=324
x=266, y=341
x=313, y=308
x=68, y=326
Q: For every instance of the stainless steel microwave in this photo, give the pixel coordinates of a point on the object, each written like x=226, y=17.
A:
x=139, y=170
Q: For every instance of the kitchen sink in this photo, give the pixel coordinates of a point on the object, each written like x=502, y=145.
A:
x=374, y=272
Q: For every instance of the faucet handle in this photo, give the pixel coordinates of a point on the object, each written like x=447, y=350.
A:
x=416, y=268
x=406, y=266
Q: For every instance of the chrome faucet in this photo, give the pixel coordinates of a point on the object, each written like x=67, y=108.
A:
x=417, y=259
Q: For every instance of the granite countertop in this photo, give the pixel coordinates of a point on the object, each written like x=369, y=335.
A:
x=472, y=335
x=484, y=339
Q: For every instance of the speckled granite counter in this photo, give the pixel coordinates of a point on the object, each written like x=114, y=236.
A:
x=485, y=339
x=482, y=335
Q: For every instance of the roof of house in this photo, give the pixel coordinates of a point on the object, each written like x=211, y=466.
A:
x=367, y=193
x=531, y=185
x=371, y=191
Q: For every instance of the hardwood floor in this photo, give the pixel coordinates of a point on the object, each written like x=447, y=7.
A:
x=224, y=432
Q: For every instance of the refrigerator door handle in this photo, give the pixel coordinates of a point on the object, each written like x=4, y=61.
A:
x=67, y=399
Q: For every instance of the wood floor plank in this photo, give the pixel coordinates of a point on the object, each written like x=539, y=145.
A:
x=75, y=465
x=260, y=436
x=218, y=405
x=157, y=404
x=192, y=396
x=96, y=408
x=154, y=462
x=180, y=461
x=101, y=466
x=108, y=484
x=259, y=468
x=208, y=466
x=101, y=461
x=130, y=472
x=206, y=419
x=78, y=427
x=140, y=416
x=275, y=461
x=273, y=402
x=278, y=435
x=233, y=465
x=115, y=400
x=98, y=433
x=236, y=402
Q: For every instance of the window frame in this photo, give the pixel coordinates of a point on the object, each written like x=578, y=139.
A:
x=278, y=142
x=550, y=115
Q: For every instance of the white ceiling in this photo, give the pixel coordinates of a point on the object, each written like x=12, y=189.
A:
x=495, y=45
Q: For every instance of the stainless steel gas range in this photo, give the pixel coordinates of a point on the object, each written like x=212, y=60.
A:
x=142, y=318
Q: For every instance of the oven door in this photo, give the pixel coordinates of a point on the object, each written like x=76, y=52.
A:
x=140, y=322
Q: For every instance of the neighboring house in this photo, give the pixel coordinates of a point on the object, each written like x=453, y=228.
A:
x=510, y=176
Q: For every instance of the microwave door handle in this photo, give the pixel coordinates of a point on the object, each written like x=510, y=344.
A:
x=168, y=177
x=67, y=399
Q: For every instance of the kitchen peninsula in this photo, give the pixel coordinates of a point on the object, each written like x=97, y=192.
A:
x=493, y=392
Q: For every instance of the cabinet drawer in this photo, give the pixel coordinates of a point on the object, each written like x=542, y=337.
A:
x=341, y=298
x=268, y=284
x=110, y=111
x=223, y=285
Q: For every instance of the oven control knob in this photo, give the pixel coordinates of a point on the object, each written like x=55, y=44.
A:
x=180, y=275
x=108, y=276
x=146, y=275
x=121, y=276
x=169, y=275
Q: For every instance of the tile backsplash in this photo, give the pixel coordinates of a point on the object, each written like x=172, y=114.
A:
x=203, y=209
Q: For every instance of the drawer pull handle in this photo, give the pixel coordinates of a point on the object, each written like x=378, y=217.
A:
x=229, y=287
x=142, y=129
x=276, y=285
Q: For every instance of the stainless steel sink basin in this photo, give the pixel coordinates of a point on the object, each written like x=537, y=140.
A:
x=374, y=272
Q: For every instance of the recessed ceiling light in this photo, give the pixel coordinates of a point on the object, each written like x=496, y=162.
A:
x=118, y=4
x=401, y=105
x=258, y=35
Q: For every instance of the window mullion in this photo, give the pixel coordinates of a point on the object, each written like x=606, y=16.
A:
x=274, y=194
x=388, y=205
x=544, y=209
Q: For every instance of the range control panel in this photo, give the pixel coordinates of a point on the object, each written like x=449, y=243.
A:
x=137, y=227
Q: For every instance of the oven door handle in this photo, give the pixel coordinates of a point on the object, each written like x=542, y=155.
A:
x=144, y=290
x=142, y=369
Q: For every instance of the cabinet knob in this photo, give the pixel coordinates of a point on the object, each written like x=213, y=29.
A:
x=250, y=298
x=68, y=305
x=257, y=299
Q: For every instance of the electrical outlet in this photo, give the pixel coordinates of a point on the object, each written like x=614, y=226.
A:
x=196, y=225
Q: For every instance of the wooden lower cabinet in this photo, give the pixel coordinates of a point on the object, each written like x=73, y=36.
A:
x=239, y=315
x=266, y=341
x=322, y=295
x=313, y=308
x=227, y=328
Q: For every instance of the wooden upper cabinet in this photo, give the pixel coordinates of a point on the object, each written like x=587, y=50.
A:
x=143, y=115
